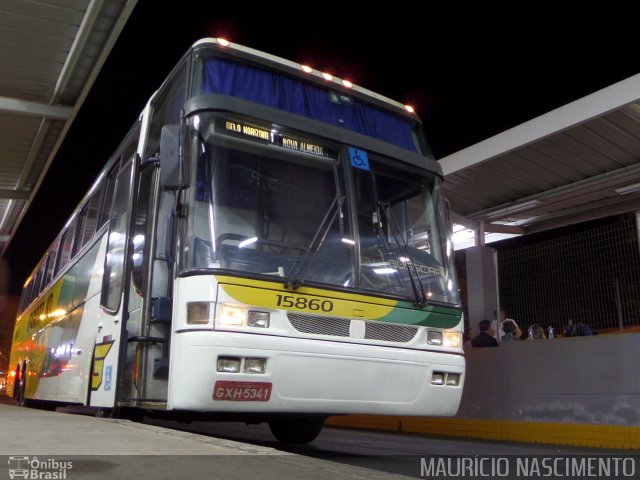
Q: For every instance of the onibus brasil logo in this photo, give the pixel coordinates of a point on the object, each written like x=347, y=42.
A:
x=35, y=469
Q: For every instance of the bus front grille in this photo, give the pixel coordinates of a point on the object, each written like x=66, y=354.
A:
x=335, y=327
x=389, y=333
x=341, y=327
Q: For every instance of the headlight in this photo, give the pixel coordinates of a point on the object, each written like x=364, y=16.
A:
x=255, y=365
x=258, y=319
x=434, y=338
x=447, y=338
x=228, y=364
x=452, y=339
x=231, y=316
x=453, y=379
x=437, y=378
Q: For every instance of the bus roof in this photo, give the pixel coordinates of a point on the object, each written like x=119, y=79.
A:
x=307, y=71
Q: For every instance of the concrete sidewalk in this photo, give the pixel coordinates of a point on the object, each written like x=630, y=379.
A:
x=30, y=431
x=108, y=448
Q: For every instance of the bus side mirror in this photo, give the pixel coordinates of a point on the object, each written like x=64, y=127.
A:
x=174, y=172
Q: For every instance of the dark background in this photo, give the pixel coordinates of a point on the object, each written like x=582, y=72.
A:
x=470, y=74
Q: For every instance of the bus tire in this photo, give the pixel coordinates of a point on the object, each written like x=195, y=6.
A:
x=296, y=430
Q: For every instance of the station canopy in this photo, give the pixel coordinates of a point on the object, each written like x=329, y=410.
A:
x=51, y=51
x=577, y=163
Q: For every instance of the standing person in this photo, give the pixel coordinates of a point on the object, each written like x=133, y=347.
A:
x=497, y=330
x=483, y=339
x=509, y=329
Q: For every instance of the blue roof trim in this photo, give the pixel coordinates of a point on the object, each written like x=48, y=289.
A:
x=295, y=96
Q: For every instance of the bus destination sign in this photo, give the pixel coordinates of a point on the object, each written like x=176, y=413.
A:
x=279, y=139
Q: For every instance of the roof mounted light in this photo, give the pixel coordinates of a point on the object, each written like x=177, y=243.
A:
x=511, y=209
x=223, y=41
x=628, y=189
x=347, y=83
x=409, y=109
x=306, y=68
x=327, y=76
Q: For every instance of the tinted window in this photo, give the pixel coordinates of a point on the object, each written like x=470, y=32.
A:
x=114, y=264
x=66, y=244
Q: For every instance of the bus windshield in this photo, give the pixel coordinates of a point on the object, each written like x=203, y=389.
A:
x=284, y=205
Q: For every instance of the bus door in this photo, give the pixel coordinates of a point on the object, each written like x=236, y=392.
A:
x=134, y=329
x=145, y=382
x=113, y=314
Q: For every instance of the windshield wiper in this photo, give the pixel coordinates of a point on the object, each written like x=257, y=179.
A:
x=321, y=232
x=315, y=243
x=420, y=298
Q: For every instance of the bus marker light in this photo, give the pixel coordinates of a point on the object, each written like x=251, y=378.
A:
x=434, y=338
x=197, y=313
x=409, y=109
x=453, y=379
x=327, y=76
x=347, y=83
x=229, y=364
x=437, y=378
x=223, y=41
x=258, y=319
x=255, y=365
x=306, y=68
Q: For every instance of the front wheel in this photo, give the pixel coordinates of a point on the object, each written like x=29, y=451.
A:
x=296, y=430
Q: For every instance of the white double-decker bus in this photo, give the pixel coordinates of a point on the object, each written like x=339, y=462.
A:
x=268, y=243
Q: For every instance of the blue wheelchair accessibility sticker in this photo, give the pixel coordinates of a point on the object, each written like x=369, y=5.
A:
x=107, y=378
x=359, y=158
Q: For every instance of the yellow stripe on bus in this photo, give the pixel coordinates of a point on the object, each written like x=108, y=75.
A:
x=302, y=302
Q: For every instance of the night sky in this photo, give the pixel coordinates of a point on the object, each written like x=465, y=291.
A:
x=469, y=74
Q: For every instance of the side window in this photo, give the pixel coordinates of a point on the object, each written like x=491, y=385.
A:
x=45, y=270
x=77, y=244
x=166, y=108
x=26, y=300
x=38, y=286
x=108, y=197
x=51, y=262
x=66, y=244
x=89, y=219
x=139, y=234
x=114, y=265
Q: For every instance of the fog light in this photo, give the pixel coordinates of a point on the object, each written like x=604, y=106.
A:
x=437, y=378
x=452, y=339
x=228, y=364
x=197, y=313
x=231, y=316
x=255, y=365
x=258, y=319
x=453, y=379
x=434, y=338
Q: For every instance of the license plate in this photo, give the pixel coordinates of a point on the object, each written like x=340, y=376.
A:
x=242, y=391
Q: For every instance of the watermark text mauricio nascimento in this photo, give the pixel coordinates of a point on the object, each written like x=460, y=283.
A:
x=528, y=466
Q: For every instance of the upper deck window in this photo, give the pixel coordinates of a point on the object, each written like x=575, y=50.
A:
x=274, y=89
